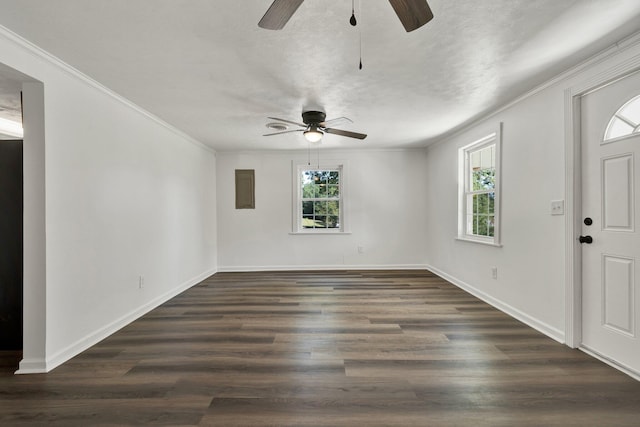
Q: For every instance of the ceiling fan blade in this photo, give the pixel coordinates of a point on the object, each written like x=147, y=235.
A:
x=287, y=121
x=336, y=122
x=345, y=133
x=279, y=14
x=284, y=131
x=412, y=13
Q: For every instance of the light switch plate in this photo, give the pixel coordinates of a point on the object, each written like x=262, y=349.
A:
x=557, y=207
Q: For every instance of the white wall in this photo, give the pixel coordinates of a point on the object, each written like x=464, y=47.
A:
x=530, y=267
x=532, y=264
x=126, y=196
x=34, y=231
x=386, y=208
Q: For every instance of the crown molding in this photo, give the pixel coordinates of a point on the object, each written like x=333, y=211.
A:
x=43, y=55
x=615, y=49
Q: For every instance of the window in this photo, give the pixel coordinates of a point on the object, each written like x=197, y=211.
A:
x=479, y=164
x=319, y=206
x=625, y=122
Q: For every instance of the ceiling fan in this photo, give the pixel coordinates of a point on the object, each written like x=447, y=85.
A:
x=412, y=13
x=315, y=126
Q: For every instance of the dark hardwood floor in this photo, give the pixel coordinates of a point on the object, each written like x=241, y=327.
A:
x=355, y=348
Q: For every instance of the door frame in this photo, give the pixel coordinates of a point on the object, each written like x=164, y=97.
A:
x=573, y=191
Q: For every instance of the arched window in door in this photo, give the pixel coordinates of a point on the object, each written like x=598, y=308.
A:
x=625, y=122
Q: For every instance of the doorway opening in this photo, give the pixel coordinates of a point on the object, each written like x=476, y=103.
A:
x=11, y=253
x=22, y=218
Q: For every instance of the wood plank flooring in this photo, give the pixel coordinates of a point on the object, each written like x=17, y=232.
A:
x=342, y=348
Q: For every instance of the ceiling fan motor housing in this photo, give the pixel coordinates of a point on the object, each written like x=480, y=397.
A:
x=313, y=117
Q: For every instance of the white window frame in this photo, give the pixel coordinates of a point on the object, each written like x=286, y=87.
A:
x=464, y=182
x=297, y=170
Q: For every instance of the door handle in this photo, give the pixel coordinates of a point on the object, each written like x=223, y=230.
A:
x=585, y=239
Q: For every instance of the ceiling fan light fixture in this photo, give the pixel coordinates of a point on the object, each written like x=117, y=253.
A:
x=313, y=134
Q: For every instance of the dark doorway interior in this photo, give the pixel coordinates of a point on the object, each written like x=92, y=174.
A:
x=11, y=210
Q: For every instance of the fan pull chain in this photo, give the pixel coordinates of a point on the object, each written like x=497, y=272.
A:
x=360, y=67
x=353, y=20
x=308, y=153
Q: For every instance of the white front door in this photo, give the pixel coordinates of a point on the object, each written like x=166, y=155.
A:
x=610, y=193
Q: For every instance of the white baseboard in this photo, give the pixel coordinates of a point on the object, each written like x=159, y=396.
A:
x=247, y=268
x=84, y=343
x=32, y=366
x=536, y=324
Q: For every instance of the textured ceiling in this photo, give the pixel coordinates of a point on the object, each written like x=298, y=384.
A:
x=205, y=66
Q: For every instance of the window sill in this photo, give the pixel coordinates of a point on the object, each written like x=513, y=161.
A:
x=319, y=233
x=481, y=242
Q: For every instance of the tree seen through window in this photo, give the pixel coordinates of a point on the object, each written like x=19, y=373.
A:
x=320, y=199
x=481, y=197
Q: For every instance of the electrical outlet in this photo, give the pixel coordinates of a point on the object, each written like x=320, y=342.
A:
x=140, y=282
x=494, y=272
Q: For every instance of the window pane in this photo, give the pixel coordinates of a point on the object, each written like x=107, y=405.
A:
x=476, y=224
x=307, y=177
x=617, y=128
x=334, y=177
x=475, y=160
x=308, y=190
x=321, y=221
x=483, y=179
x=322, y=190
x=469, y=212
x=480, y=225
x=475, y=180
x=483, y=203
x=310, y=177
x=333, y=190
x=307, y=208
x=631, y=111
x=333, y=222
x=491, y=228
x=320, y=208
x=333, y=208
x=307, y=221
x=485, y=158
